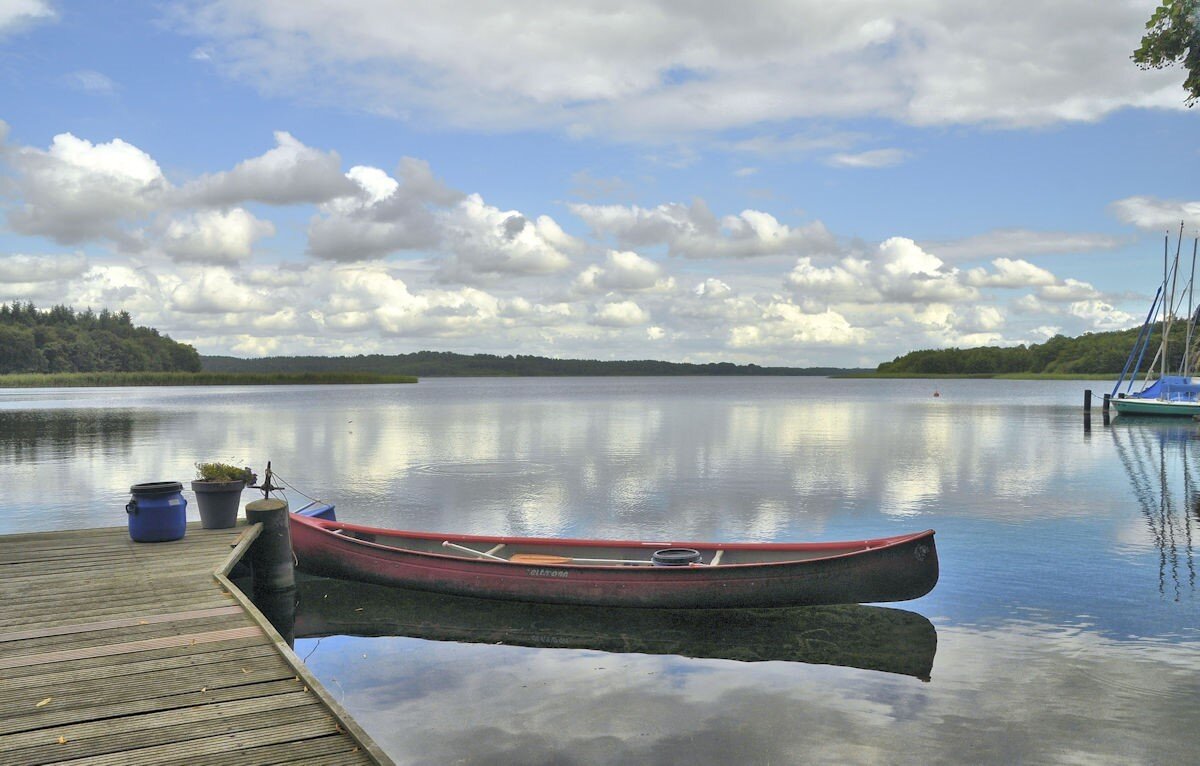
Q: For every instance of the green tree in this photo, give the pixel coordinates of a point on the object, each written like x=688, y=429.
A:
x=1173, y=37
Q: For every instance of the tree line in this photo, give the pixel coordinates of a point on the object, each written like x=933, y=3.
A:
x=64, y=340
x=434, y=364
x=1088, y=354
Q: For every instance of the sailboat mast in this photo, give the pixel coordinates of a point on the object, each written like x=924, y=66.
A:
x=1186, y=362
x=1168, y=303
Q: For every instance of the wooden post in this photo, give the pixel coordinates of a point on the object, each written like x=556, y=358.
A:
x=271, y=553
x=1107, y=397
x=1087, y=400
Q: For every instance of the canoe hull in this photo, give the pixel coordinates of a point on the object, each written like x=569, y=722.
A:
x=888, y=569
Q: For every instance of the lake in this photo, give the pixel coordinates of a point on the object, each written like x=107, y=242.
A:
x=1065, y=627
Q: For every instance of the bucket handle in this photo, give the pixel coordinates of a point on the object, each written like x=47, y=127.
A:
x=131, y=506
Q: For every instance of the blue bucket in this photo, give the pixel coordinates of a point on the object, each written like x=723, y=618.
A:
x=157, y=512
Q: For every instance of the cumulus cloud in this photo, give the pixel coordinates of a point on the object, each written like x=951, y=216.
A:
x=385, y=215
x=215, y=290
x=651, y=68
x=1011, y=273
x=77, y=191
x=289, y=174
x=486, y=242
x=623, y=271
x=1153, y=214
x=620, y=314
x=213, y=236
x=898, y=270
x=41, y=268
x=784, y=324
x=694, y=232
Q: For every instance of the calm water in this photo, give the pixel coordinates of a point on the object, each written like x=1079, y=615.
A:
x=1067, y=619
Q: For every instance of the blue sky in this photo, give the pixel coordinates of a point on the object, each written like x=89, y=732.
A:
x=796, y=183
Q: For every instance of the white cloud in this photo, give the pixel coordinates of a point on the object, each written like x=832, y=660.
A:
x=41, y=268
x=1012, y=274
x=211, y=236
x=77, y=190
x=620, y=314
x=214, y=290
x=487, y=242
x=694, y=232
x=874, y=158
x=1153, y=214
x=289, y=174
x=634, y=68
x=1068, y=290
x=784, y=324
x=1010, y=243
x=15, y=14
x=623, y=271
x=91, y=81
x=383, y=216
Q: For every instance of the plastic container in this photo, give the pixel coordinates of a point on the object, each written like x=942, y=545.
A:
x=157, y=512
x=675, y=557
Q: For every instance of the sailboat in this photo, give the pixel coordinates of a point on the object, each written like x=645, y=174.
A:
x=1174, y=391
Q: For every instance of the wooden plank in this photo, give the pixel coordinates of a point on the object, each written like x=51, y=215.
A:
x=116, y=652
x=148, y=619
x=128, y=627
x=45, y=719
x=71, y=674
x=187, y=639
x=99, y=692
x=322, y=751
x=154, y=729
x=117, y=663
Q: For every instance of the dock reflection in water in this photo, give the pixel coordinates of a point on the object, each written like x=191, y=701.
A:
x=866, y=637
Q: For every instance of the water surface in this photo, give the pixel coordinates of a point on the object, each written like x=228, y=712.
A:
x=1066, y=619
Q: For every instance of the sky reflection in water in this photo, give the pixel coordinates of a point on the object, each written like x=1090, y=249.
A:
x=1066, y=616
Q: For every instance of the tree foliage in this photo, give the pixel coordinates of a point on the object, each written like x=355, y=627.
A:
x=1173, y=37
x=63, y=340
x=1089, y=354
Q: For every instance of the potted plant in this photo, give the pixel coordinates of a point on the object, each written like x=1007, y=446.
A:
x=218, y=488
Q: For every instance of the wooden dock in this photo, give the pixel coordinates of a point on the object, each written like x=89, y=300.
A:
x=116, y=652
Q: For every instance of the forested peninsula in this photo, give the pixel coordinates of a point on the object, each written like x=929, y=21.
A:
x=62, y=340
x=1089, y=354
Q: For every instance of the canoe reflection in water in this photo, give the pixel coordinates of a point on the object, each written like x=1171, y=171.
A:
x=867, y=637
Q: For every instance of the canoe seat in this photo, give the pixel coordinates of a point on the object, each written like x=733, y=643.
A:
x=538, y=558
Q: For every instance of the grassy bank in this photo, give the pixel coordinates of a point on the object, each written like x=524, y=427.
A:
x=88, y=379
x=986, y=376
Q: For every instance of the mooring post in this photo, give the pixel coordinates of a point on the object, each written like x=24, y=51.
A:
x=1087, y=400
x=271, y=553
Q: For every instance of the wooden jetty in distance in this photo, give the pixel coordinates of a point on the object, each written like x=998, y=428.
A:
x=116, y=652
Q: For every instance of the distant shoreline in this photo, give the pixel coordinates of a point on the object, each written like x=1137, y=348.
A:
x=107, y=379
x=118, y=379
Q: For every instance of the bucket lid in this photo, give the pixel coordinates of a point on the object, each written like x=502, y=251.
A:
x=157, y=488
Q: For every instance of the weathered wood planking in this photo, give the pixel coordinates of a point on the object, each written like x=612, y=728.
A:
x=116, y=652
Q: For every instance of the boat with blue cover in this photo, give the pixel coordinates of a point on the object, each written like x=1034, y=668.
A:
x=1169, y=388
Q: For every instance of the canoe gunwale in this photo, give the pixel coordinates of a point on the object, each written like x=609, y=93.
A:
x=838, y=549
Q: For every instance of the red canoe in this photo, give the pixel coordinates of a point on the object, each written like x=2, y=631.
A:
x=622, y=573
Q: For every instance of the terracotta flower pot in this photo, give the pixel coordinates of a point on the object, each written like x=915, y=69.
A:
x=218, y=502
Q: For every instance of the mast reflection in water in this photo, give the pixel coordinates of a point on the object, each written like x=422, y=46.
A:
x=866, y=637
x=1159, y=457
